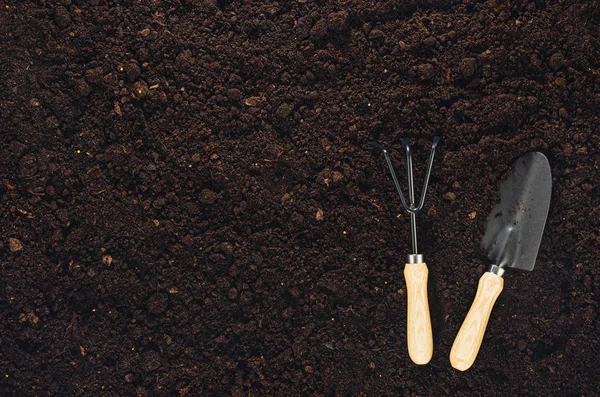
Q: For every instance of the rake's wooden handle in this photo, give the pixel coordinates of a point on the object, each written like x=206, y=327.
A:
x=418, y=331
x=467, y=342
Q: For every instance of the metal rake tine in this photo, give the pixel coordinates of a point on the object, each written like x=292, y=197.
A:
x=410, y=208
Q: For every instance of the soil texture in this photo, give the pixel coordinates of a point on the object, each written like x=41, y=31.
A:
x=189, y=204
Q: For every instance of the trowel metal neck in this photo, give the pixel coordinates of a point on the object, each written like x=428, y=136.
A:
x=497, y=270
x=410, y=205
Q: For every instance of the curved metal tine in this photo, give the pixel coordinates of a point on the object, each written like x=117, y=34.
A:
x=436, y=140
x=388, y=159
x=410, y=208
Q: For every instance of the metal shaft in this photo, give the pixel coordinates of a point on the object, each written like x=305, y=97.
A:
x=411, y=199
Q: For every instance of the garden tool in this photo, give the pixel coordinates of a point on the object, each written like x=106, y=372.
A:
x=511, y=241
x=418, y=331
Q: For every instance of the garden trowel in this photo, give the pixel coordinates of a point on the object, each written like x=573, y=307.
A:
x=512, y=239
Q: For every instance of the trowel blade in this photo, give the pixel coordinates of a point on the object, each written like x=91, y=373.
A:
x=515, y=226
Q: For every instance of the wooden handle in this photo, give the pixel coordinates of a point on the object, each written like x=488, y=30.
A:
x=418, y=331
x=467, y=342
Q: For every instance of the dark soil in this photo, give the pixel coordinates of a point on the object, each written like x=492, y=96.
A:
x=162, y=165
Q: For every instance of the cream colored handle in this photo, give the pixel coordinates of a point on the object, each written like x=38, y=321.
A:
x=467, y=342
x=418, y=323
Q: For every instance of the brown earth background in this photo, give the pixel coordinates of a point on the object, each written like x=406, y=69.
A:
x=189, y=204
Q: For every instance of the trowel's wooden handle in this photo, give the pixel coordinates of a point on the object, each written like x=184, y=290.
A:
x=467, y=342
x=418, y=332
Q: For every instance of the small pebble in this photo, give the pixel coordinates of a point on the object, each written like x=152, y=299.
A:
x=319, y=216
x=107, y=260
x=15, y=245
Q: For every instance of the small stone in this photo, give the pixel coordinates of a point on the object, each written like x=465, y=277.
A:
x=15, y=245
x=308, y=369
x=337, y=21
x=557, y=61
x=34, y=102
x=132, y=72
x=319, y=217
x=107, y=260
x=173, y=290
x=196, y=158
x=29, y=318
x=94, y=76
x=450, y=196
x=337, y=176
x=234, y=94
x=208, y=196
x=472, y=215
x=62, y=17
x=252, y=101
x=214, y=156
x=319, y=30
x=285, y=197
x=468, y=67
x=372, y=365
